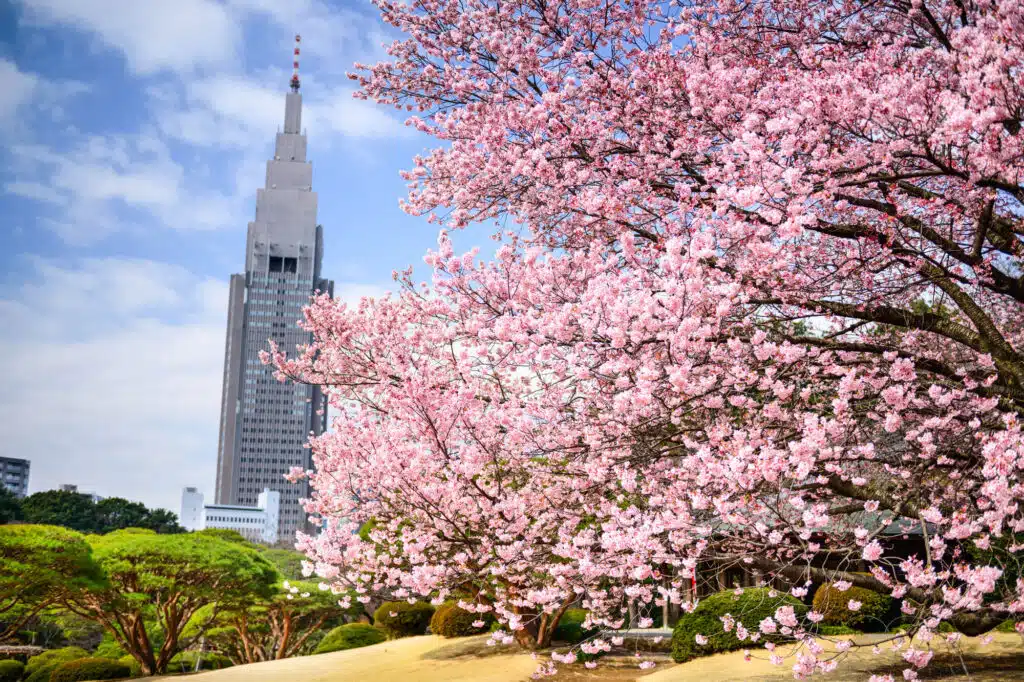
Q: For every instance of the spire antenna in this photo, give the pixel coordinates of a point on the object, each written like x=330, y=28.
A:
x=295, y=65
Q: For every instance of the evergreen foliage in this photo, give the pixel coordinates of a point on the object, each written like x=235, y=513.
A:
x=570, y=627
x=877, y=612
x=11, y=670
x=350, y=636
x=402, y=619
x=39, y=668
x=451, y=621
x=748, y=608
x=90, y=669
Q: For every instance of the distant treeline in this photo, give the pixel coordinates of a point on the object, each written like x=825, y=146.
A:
x=78, y=511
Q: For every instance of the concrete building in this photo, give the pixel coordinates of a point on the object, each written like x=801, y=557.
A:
x=265, y=424
x=72, y=488
x=14, y=475
x=257, y=524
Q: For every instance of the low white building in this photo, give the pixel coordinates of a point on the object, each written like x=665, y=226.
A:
x=257, y=524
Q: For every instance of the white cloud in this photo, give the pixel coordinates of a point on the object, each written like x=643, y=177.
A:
x=24, y=95
x=113, y=375
x=237, y=112
x=153, y=35
x=113, y=380
x=335, y=35
x=16, y=90
x=36, y=191
x=104, y=181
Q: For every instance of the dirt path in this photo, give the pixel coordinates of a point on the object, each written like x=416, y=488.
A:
x=433, y=659
x=398, y=661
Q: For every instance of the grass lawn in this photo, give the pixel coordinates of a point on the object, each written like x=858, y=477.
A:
x=433, y=659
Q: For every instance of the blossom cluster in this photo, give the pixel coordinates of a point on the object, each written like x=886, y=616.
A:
x=760, y=307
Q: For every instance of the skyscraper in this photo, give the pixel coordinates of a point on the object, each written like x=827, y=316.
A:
x=264, y=424
x=14, y=475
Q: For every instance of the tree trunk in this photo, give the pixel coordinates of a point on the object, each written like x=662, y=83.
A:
x=286, y=633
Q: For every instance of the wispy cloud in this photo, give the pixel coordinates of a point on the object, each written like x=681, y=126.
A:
x=113, y=374
x=243, y=112
x=153, y=35
x=25, y=97
x=101, y=183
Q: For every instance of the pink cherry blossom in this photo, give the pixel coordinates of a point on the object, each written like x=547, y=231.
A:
x=754, y=301
x=872, y=551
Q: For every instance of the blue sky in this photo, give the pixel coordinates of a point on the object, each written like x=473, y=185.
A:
x=133, y=136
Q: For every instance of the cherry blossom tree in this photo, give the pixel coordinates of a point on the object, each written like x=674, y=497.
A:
x=758, y=302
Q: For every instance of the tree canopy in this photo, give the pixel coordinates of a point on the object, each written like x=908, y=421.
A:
x=10, y=506
x=79, y=512
x=275, y=626
x=39, y=567
x=163, y=581
x=758, y=303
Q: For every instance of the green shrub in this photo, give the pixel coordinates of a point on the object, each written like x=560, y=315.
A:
x=834, y=630
x=185, y=661
x=1007, y=626
x=11, y=671
x=109, y=648
x=132, y=664
x=351, y=636
x=874, y=615
x=90, y=669
x=749, y=608
x=39, y=668
x=570, y=627
x=944, y=628
x=409, y=619
x=451, y=621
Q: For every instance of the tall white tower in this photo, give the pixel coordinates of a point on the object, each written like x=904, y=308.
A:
x=191, y=517
x=264, y=424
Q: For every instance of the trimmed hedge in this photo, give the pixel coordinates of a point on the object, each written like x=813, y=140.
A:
x=90, y=669
x=570, y=627
x=836, y=630
x=350, y=636
x=132, y=664
x=451, y=621
x=749, y=608
x=109, y=648
x=11, y=670
x=876, y=614
x=39, y=668
x=185, y=661
x=1007, y=626
x=409, y=619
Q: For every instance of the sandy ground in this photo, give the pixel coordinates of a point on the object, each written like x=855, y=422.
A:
x=400, y=661
x=433, y=659
x=1002, y=659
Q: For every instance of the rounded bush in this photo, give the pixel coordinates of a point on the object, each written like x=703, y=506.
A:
x=1007, y=626
x=185, y=661
x=11, y=670
x=408, y=619
x=132, y=664
x=350, y=636
x=570, y=627
x=39, y=668
x=90, y=669
x=836, y=630
x=109, y=648
x=748, y=608
x=451, y=621
x=873, y=616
